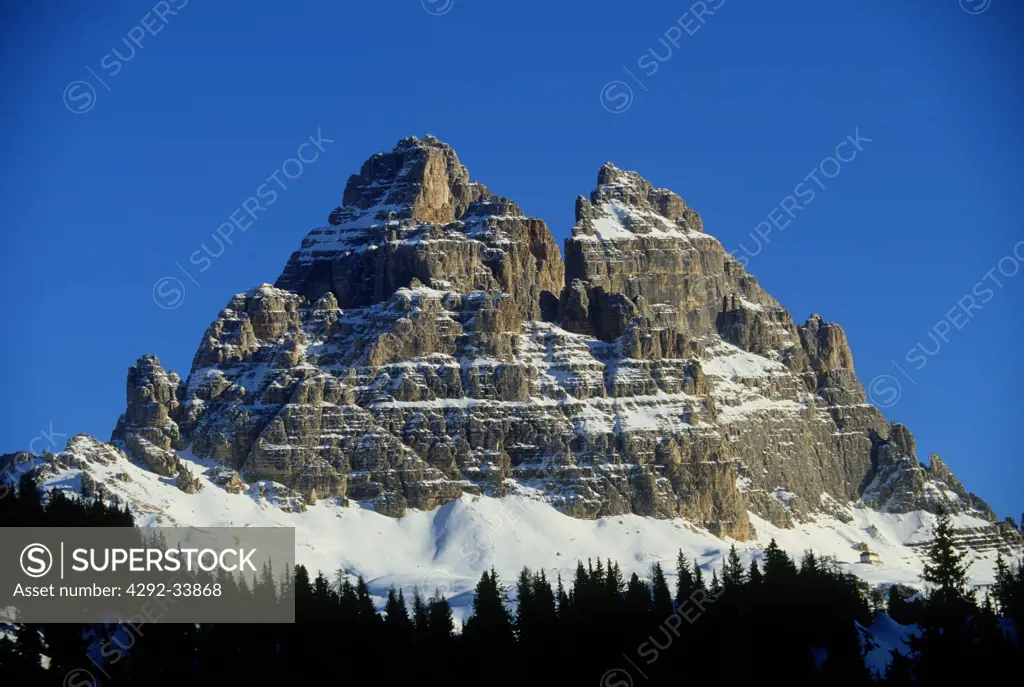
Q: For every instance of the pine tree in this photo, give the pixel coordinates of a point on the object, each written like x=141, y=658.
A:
x=365, y=610
x=563, y=600
x=615, y=586
x=809, y=565
x=948, y=639
x=989, y=645
x=322, y=594
x=662, y=597
x=716, y=586
x=340, y=578
x=544, y=605
x=303, y=587
x=1003, y=582
x=578, y=594
x=397, y=621
x=30, y=502
x=491, y=622
x=899, y=609
x=265, y=590
x=525, y=604
x=243, y=587
x=876, y=598
x=732, y=571
x=685, y=584
x=420, y=615
x=287, y=589
x=1015, y=608
x=698, y=578
x=778, y=567
x=986, y=606
x=1008, y=589
x=441, y=623
x=347, y=599
x=638, y=596
x=946, y=572
x=754, y=578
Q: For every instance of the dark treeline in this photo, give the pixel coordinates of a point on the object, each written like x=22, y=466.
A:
x=779, y=618
x=145, y=651
x=960, y=639
x=25, y=507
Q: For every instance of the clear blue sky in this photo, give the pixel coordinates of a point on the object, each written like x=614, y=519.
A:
x=101, y=203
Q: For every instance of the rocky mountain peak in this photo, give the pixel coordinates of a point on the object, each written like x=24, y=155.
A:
x=633, y=200
x=420, y=180
x=429, y=342
x=149, y=429
x=413, y=213
x=825, y=344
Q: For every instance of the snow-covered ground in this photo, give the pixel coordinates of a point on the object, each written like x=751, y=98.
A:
x=884, y=636
x=448, y=548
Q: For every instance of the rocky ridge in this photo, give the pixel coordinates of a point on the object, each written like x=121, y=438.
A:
x=429, y=342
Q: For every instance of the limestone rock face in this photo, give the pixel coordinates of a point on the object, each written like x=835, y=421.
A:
x=187, y=482
x=81, y=453
x=900, y=484
x=227, y=478
x=413, y=213
x=429, y=342
x=148, y=430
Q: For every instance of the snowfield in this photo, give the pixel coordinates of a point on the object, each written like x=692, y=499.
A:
x=448, y=548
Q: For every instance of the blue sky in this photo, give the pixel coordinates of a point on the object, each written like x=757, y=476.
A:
x=118, y=166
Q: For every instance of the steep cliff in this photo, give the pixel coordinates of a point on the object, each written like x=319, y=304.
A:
x=429, y=342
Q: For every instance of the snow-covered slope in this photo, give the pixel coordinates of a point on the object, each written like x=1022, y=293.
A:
x=883, y=637
x=449, y=547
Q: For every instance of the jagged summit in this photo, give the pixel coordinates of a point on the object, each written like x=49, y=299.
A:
x=409, y=338
x=625, y=195
x=429, y=342
x=413, y=213
x=419, y=180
